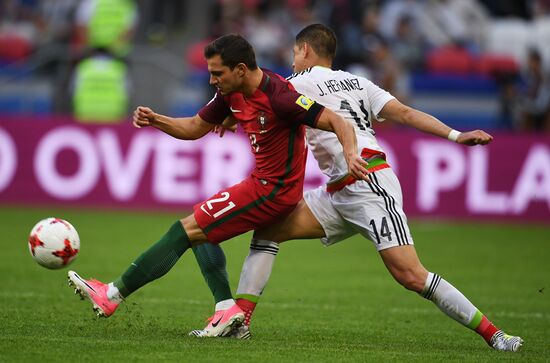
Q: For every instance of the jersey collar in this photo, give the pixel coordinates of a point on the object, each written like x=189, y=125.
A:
x=323, y=68
x=265, y=81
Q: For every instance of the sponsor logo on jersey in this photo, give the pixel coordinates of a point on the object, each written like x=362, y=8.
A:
x=304, y=102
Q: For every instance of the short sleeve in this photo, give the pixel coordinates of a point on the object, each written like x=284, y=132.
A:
x=215, y=111
x=377, y=98
x=292, y=106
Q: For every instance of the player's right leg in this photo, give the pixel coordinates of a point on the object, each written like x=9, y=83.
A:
x=227, y=314
x=231, y=212
x=152, y=264
x=300, y=223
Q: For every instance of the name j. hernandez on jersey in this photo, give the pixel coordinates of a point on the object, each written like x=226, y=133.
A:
x=333, y=85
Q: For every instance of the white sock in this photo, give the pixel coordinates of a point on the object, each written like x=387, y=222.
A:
x=257, y=267
x=448, y=299
x=224, y=304
x=113, y=294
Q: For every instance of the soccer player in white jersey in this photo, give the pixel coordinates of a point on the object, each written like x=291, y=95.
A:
x=348, y=206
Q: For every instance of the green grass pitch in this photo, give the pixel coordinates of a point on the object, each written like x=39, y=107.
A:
x=334, y=304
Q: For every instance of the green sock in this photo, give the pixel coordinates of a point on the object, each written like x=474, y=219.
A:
x=155, y=262
x=211, y=260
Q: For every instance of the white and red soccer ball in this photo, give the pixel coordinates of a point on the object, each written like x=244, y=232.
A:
x=54, y=243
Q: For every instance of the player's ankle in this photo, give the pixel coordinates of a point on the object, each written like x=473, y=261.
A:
x=224, y=304
x=486, y=329
x=113, y=294
x=247, y=306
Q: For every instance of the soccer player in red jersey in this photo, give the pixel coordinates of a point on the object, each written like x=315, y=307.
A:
x=273, y=115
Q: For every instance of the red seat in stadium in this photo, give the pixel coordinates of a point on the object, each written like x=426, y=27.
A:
x=450, y=60
x=13, y=48
x=492, y=64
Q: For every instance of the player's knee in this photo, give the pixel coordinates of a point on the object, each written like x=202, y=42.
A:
x=194, y=232
x=411, y=280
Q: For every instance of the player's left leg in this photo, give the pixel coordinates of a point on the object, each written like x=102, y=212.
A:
x=376, y=211
x=404, y=265
x=152, y=264
x=212, y=262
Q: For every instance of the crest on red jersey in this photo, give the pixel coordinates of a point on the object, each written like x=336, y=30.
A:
x=262, y=122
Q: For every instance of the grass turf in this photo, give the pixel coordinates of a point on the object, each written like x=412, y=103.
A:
x=334, y=304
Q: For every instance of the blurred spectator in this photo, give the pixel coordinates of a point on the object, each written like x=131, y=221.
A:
x=394, y=10
x=535, y=104
x=357, y=39
x=540, y=8
x=227, y=17
x=107, y=24
x=442, y=26
x=476, y=18
x=161, y=17
x=269, y=25
x=268, y=36
x=101, y=88
x=407, y=45
x=509, y=101
x=386, y=72
x=57, y=20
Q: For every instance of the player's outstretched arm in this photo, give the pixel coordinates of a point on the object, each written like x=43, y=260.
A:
x=330, y=121
x=396, y=111
x=185, y=128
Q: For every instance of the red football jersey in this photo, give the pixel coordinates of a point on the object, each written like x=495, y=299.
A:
x=274, y=118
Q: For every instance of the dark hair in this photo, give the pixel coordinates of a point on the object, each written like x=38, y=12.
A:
x=233, y=49
x=320, y=37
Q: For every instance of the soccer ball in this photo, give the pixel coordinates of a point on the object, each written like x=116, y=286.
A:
x=54, y=243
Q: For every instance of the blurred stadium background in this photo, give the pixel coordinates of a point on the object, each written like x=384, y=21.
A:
x=469, y=61
x=67, y=149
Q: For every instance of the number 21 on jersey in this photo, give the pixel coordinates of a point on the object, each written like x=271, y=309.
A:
x=214, y=204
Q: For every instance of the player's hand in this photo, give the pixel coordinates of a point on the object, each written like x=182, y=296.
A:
x=476, y=137
x=143, y=117
x=229, y=124
x=357, y=167
x=221, y=129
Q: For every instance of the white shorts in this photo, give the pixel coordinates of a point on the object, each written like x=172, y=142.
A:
x=375, y=210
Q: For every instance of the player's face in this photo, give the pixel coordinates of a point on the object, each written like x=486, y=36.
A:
x=299, y=63
x=222, y=77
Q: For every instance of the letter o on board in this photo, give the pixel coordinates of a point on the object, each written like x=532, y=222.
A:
x=8, y=159
x=87, y=173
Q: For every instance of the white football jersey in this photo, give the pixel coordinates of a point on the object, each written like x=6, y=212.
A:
x=355, y=98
